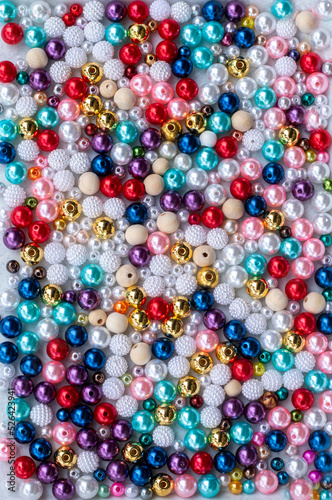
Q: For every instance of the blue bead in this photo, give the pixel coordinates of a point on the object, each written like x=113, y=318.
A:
x=81, y=415
x=277, y=463
x=229, y=102
x=255, y=206
x=29, y=288
x=162, y=348
x=7, y=152
x=319, y=441
x=63, y=415
x=140, y=475
x=182, y=67
x=8, y=353
x=249, y=347
x=323, y=277
x=40, y=449
x=10, y=327
x=323, y=461
x=188, y=144
x=202, y=300
x=224, y=461
x=136, y=213
x=99, y=474
x=244, y=38
x=76, y=335
x=283, y=478
x=234, y=330
x=31, y=366
x=273, y=173
x=102, y=165
x=24, y=432
x=212, y=11
x=94, y=359
x=156, y=457
x=276, y=440
x=184, y=51
x=324, y=323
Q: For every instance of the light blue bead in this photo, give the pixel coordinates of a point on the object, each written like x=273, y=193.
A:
x=191, y=35
x=116, y=34
x=188, y=417
x=282, y=9
x=48, y=117
x=64, y=313
x=164, y=391
x=219, y=122
x=316, y=381
x=207, y=159
x=143, y=422
x=8, y=11
x=325, y=495
x=273, y=150
x=248, y=487
x=291, y=248
x=92, y=275
x=212, y=32
x=35, y=37
x=8, y=130
x=126, y=132
x=255, y=264
x=195, y=440
x=174, y=179
x=208, y=486
x=265, y=98
x=202, y=57
x=16, y=172
x=241, y=432
x=28, y=311
x=28, y=342
x=282, y=360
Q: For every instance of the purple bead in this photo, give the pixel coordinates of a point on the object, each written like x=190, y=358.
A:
x=295, y=115
x=235, y=11
x=170, y=201
x=227, y=40
x=139, y=256
x=108, y=449
x=315, y=476
x=69, y=296
x=55, y=49
x=87, y=438
x=91, y=394
x=76, y=374
x=254, y=412
x=247, y=455
x=22, y=386
x=63, y=489
x=178, y=463
x=13, y=238
x=44, y=393
x=303, y=190
x=121, y=430
x=117, y=470
x=88, y=299
x=139, y=168
x=101, y=143
x=214, y=319
x=232, y=408
x=53, y=101
x=39, y=80
x=309, y=456
x=115, y=11
x=193, y=200
x=150, y=139
x=47, y=472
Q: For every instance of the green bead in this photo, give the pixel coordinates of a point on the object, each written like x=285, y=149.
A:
x=202, y=57
x=64, y=313
x=264, y=357
x=219, y=122
x=31, y=202
x=138, y=152
x=8, y=11
x=48, y=117
x=327, y=294
x=255, y=264
x=189, y=418
x=248, y=487
x=282, y=360
x=326, y=239
x=265, y=98
x=116, y=34
x=35, y=37
x=143, y=422
x=307, y=99
x=165, y=391
x=273, y=151
x=207, y=159
x=212, y=32
x=174, y=179
x=28, y=311
x=327, y=184
x=28, y=342
x=316, y=381
x=22, y=77
x=208, y=486
x=195, y=440
x=8, y=130
x=282, y=9
x=126, y=132
x=296, y=416
x=127, y=379
x=191, y=35
x=291, y=248
x=92, y=275
x=146, y=439
x=282, y=394
x=241, y=432
x=104, y=491
x=16, y=172
x=149, y=404
x=19, y=408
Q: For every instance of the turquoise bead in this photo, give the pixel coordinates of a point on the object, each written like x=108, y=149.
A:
x=291, y=248
x=202, y=57
x=248, y=487
x=164, y=391
x=207, y=159
x=64, y=313
x=241, y=432
x=316, y=381
x=20, y=408
x=143, y=422
x=16, y=172
x=35, y=37
x=8, y=130
x=219, y=122
x=174, y=179
x=28, y=342
x=212, y=32
x=28, y=311
x=48, y=117
x=126, y=132
x=282, y=360
x=188, y=418
x=92, y=275
x=325, y=495
x=265, y=98
x=208, y=486
x=116, y=34
x=191, y=35
x=8, y=11
x=273, y=151
x=195, y=440
x=255, y=264
x=282, y=9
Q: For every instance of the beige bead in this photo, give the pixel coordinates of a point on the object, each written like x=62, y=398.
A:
x=37, y=58
x=154, y=184
x=89, y=183
x=306, y=21
x=140, y=353
x=127, y=275
x=125, y=99
x=136, y=234
x=117, y=323
x=160, y=166
x=314, y=303
x=204, y=256
x=168, y=222
x=97, y=317
x=108, y=88
x=276, y=300
x=242, y=121
x=233, y=209
x=233, y=388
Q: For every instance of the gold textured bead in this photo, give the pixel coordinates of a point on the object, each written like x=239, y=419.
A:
x=239, y=67
x=201, y=362
x=70, y=210
x=51, y=295
x=171, y=130
x=196, y=122
x=188, y=386
x=274, y=220
x=132, y=452
x=152, y=25
x=218, y=439
x=107, y=121
x=181, y=307
x=259, y=368
x=165, y=414
x=226, y=352
x=28, y=128
x=236, y=474
x=150, y=59
x=92, y=72
x=162, y=485
x=138, y=33
x=181, y=252
x=139, y=320
x=269, y=400
x=103, y=228
x=135, y=296
x=65, y=457
x=59, y=224
x=91, y=105
x=235, y=487
x=310, y=156
x=207, y=277
x=288, y=135
x=172, y=327
x=293, y=341
x=82, y=319
x=257, y=288
x=31, y=254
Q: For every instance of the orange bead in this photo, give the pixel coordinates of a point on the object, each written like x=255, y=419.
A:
x=34, y=173
x=121, y=307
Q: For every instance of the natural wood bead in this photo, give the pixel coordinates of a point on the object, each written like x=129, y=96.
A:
x=168, y=222
x=117, y=323
x=136, y=234
x=124, y=99
x=89, y=183
x=276, y=300
x=233, y=209
x=154, y=184
x=204, y=255
x=37, y=58
x=314, y=303
x=97, y=317
x=127, y=275
x=233, y=388
x=108, y=88
x=140, y=353
x=242, y=121
x=306, y=21
x=160, y=166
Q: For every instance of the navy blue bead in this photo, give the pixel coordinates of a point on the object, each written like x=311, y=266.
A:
x=29, y=288
x=234, y=330
x=319, y=441
x=202, y=300
x=188, y=144
x=24, y=432
x=255, y=206
x=184, y=51
x=323, y=461
x=283, y=478
x=7, y=152
x=102, y=165
x=10, y=327
x=273, y=173
x=63, y=415
x=277, y=463
x=276, y=440
x=31, y=366
x=76, y=335
x=136, y=213
x=94, y=359
x=324, y=323
x=212, y=11
x=249, y=347
x=294, y=54
x=8, y=353
x=81, y=415
x=162, y=348
x=140, y=475
x=244, y=38
x=40, y=449
x=182, y=67
x=229, y=102
x=99, y=474
x=156, y=457
x=224, y=461
x=323, y=277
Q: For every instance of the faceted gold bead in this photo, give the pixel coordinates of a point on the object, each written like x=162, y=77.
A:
x=138, y=33
x=107, y=121
x=150, y=59
x=288, y=135
x=172, y=327
x=201, y=362
x=181, y=252
x=104, y=228
x=152, y=25
x=171, y=130
x=162, y=485
x=92, y=72
x=135, y=296
x=132, y=452
x=274, y=220
x=65, y=457
x=257, y=288
x=165, y=414
x=139, y=320
x=181, y=307
x=51, y=295
x=59, y=224
x=239, y=67
x=235, y=487
x=293, y=341
x=236, y=474
x=269, y=400
x=70, y=210
x=31, y=254
x=218, y=439
x=226, y=352
x=91, y=105
x=207, y=277
x=188, y=386
x=28, y=128
x=196, y=122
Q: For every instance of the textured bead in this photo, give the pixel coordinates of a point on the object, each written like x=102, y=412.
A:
x=185, y=346
x=195, y=235
x=178, y=366
x=186, y=284
x=114, y=208
x=253, y=140
x=120, y=344
x=87, y=461
x=27, y=150
x=60, y=71
x=54, y=27
x=110, y=261
x=293, y=379
x=76, y=255
x=305, y=361
x=26, y=106
x=93, y=10
x=217, y=238
x=239, y=309
x=114, y=69
x=181, y=12
x=286, y=28
x=73, y=36
x=63, y=180
x=57, y=274
x=102, y=51
x=54, y=252
x=79, y=163
x=14, y=196
x=41, y=415
x=126, y=406
x=224, y=294
x=94, y=31
x=285, y=66
x=113, y=388
x=160, y=265
x=58, y=159
x=92, y=207
x=116, y=366
x=163, y=436
x=160, y=71
x=256, y=323
x=75, y=57
x=220, y=374
x=271, y=380
x=252, y=389
x=210, y=417
x=213, y=395
x=154, y=286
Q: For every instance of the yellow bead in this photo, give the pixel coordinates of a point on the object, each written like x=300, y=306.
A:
x=259, y=369
x=28, y=128
x=107, y=121
x=171, y=130
x=218, y=439
x=226, y=352
x=92, y=72
x=288, y=135
x=293, y=341
x=82, y=319
x=310, y=156
x=51, y=295
x=162, y=485
x=65, y=457
x=196, y=122
x=172, y=327
x=70, y=210
x=181, y=252
x=239, y=67
x=103, y=228
x=235, y=487
x=236, y=474
x=91, y=105
x=132, y=452
x=139, y=320
x=274, y=220
x=201, y=362
x=138, y=33
x=135, y=296
x=207, y=277
x=188, y=386
x=181, y=307
x=31, y=254
x=248, y=22
x=165, y=414
x=257, y=288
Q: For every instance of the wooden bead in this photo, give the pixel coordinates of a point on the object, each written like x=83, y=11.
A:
x=160, y=166
x=136, y=234
x=154, y=184
x=117, y=323
x=37, y=58
x=127, y=275
x=168, y=222
x=314, y=303
x=89, y=183
x=204, y=255
x=233, y=209
x=276, y=300
x=306, y=21
x=108, y=88
x=97, y=317
x=242, y=121
x=233, y=388
x=140, y=353
x=125, y=98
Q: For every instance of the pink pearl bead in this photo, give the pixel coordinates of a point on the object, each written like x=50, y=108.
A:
x=301, y=490
x=251, y=169
x=141, y=84
x=117, y=489
x=276, y=47
x=42, y=188
x=7, y=449
x=266, y=481
x=41, y=162
x=317, y=83
x=54, y=372
x=64, y=433
x=158, y=242
x=279, y=417
x=311, y=119
x=207, y=340
x=162, y=92
x=178, y=108
x=252, y=228
x=313, y=249
x=274, y=118
x=302, y=229
x=316, y=343
x=325, y=362
x=325, y=401
x=298, y=434
x=68, y=110
x=302, y=268
x=323, y=156
x=274, y=195
x=284, y=86
x=47, y=210
x=185, y=486
x=258, y=438
x=294, y=157
x=141, y=388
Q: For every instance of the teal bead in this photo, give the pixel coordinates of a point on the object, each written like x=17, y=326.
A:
x=16, y=172
x=8, y=130
x=174, y=179
x=35, y=37
x=165, y=391
x=325, y=495
x=48, y=117
x=116, y=34
x=207, y=159
x=241, y=432
x=219, y=122
x=265, y=98
x=273, y=151
x=8, y=11
x=64, y=313
x=212, y=32
x=188, y=418
x=126, y=132
x=255, y=264
x=202, y=57
x=208, y=486
x=28, y=311
x=248, y=487
x=307, y=99
x=92, y=275
x=316, y=381
x=291, y=248
x=282, y=9
x=28, y=342
x=195, y=440
x=143, y=422
x=22, y=77
x=282, y=360
x=20, y=408
x=191, y=35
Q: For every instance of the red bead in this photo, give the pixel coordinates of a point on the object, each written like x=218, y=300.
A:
x=110, y=186
x=212, y=217
x=278, y=267
x=194, y=219
x=12, y=33
x=302, y=399
x=130, y=72
x=305, y=323
x=240, y=188
x=242, y=369
x=138, y=11
x=169, y=29
x=320, y=139
x=296, y=289
x=69, y=19
x=24, y=467
x=201, y=462
x=57, y=349
x=133, y=190
x=39, y=231
x=156, y=114
x=157, y=309
x=130, y=53
x=104, y=414
x=187, y=89
x=48, y=140
x=196, y=401
x=76, y=10
x=76, y=88
x=227, y=147
x=91, y=129
x=67, y=397
x=166, y=51
x=7, y=72
x=21, y=216
x=310, y=62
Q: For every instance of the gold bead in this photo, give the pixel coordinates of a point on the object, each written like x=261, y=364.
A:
x=70, y=210
x=259, y=368
x=40, y=98
x=59, y=224
x=263, y=452
x=226, y=352
x=139, y=320
x=171, y=130
x=207, y=277
x=107, y=121
x=92, y=72
x=162, y=485
x=239, y=67
x=51, y=295
x=293, y=341
x=236, y=474
x=218, y=439
x=273, y=220
x=201, y=362
x=152, y=25
x=188, y=386
x=138, y=33
x=135, y=296
x=181, y=252
x=269, y=400
x=172, y=327
x=248, y=22
x=28, y=128
x=235, y=487
x=180, y=307
x=150, y=59
x=288, y=135
x=31, y=254
x=91, y=105
x=196, y=122
x=310, y=156
x=165, y=414
x=257, y=288
x=82, y=319
x=65, y=457
x=132, y=452
x=103, y=227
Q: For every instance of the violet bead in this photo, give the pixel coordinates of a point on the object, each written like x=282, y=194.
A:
x=13, y=238
x=193, y=200
x=247, y=455
x=315, y=476
x=139, y=168
x=227, y=40
x=121, y=430
x=214, y=319
x=117, y=470
x=101, y=143
x=63, y=489
x=254, y=412
x=303, y=190
x=88, y=299
x=76, y=374
x=44, y=393
x=39, y=80
x=47, y=472
x=108, y=450
x=53, y=101
x=115, y=11
x=232, y=408
x=150, y=139
x=170, y=201
x=23, y=386
x=178, y=463
x=91, y=394
x=295, y=115
x=139, y=256
x=87, y=438
x=55, y=49
x=69, y=296
x=235, y=11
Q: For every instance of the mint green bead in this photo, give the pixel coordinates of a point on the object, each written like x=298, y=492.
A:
x=325, y=495
x=191, y=35
x=273, y=150
x=35, y=37
x=28, y=342
x=219, y=122
x=207, y=159
x=195, y=440
x=92, y=275
x=8, y=130
x=28, y=311
x=282, y=360
x=208, y=486
x=174, y=179
x=282, y=9
x=143, y=422
x=165, y=391
x=126, y=132
x=64, y=313
x=316, y=381
x=265, y=98
x=188, y=418
x=104, y=491
x=48, y=117
x=20, y=409
x=291, y=248
x=241, y=432
x=255, y=264
x=202, y=57
x=8, y=11
x=248, y=487
x=116, y=34
x=16, y=172
x=212, y=32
